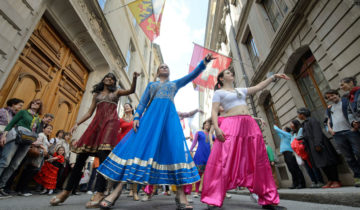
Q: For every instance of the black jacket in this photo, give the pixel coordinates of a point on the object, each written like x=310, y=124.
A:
x=314, y=136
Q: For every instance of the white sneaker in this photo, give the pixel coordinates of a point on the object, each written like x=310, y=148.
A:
x=254, y=198
x=26, y=194
x=228, y=195
x=196, y=195
x=51, y=192
x=44, y=192
x=190, y=200
x=89, y=192
x=146, y=198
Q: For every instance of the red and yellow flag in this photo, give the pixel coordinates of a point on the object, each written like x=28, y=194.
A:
x=148, y=15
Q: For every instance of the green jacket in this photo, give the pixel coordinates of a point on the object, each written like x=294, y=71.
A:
x=270, y=153
x=22, y=118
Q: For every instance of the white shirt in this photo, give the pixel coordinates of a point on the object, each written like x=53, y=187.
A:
x=338, y=120
x=230, y=99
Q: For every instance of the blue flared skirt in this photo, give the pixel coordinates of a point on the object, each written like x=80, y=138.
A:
x=156, y=154
x=203, y=151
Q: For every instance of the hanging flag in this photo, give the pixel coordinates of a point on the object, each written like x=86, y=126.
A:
x=207, y=79
x=148, y=15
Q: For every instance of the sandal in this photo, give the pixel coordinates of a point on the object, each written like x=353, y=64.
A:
x=57, y=200
x=183, y=206
x=92, y=204
x=108, y=205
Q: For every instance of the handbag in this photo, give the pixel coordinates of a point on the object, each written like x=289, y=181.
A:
x=25, y=137
x=299, y=160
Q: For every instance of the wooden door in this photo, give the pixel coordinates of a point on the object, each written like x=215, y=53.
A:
x=49, y=70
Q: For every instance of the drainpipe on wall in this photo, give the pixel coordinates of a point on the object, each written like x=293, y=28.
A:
x=232, y=38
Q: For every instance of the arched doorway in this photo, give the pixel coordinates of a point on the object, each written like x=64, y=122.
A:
x=312, y=84
x=49, y=70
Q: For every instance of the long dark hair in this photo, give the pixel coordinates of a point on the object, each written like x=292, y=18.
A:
x=297, y=125
x=131, y=107
x=39, y=111
x=58, y=133
x=219, y=83
x=209, y=121
x=100, y=86
x=45, y=126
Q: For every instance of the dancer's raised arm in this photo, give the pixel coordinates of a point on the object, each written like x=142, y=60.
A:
x=132, y=88
x=265, y=83
x=192, y=75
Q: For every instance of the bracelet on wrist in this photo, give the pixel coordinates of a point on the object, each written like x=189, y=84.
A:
x=273, y=78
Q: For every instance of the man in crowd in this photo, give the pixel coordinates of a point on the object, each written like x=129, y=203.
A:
x=348, y=84
x=47, y=119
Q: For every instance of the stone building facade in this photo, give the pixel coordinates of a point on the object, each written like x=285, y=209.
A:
x=315, y=42
x=56, y=50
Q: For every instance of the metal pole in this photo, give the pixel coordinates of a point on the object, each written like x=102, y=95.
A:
x=246, y=79
x=149, y=72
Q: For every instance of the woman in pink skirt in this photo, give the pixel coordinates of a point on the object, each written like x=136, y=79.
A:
x=238, y=156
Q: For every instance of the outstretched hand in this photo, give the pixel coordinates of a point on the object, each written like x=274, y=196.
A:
x=281, y=76
x=136, y=74
x=209, y=57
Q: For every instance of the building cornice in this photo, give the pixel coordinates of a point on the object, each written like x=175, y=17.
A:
x=110, y=38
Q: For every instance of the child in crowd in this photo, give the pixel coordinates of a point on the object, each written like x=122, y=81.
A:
x=48, y=173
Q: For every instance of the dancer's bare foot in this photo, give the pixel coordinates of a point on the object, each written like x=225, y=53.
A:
x=130, y=193
x=95, y=200
x=135, y=192
x=60, y=198
x=183, y=204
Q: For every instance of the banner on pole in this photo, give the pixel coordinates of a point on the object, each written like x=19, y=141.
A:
x=148, y=14
x=207, y=79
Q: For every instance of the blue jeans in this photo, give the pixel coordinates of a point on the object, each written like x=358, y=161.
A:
x=348, y=143
x=314, y=173
x=10, y=158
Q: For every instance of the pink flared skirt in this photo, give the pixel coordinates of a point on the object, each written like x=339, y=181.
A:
x=240, y=161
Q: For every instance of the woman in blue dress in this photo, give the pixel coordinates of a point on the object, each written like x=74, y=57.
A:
x=202, y=152
x=155, y=151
